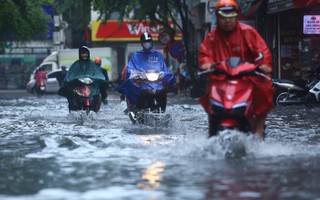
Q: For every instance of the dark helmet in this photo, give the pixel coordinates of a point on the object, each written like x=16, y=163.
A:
x=145, y=37
x=146, y=41
x=84, y=49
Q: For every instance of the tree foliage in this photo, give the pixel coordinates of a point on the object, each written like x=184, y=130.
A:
x=76, y=13
x=21, y=20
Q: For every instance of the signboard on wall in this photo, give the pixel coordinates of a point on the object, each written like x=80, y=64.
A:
x=126, y=31
x=311, y=24
x=281, y=5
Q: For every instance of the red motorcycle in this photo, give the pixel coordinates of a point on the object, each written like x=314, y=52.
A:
x=229, y=102
x=40, y=88
x=83, y=97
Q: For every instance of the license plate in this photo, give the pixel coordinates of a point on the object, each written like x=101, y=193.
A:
x=42, y=88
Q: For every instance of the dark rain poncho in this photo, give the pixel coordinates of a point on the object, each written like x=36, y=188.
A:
x=83, y=69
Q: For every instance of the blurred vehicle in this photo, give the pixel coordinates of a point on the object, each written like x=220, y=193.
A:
x=65, y=57
x=52, y=83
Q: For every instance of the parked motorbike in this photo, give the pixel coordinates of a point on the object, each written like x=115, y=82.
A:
x=40, y=88
x=149, y=97
x=231, y=95
x=297, y=92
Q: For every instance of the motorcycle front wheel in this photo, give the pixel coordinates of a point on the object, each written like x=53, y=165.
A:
x=281, y=99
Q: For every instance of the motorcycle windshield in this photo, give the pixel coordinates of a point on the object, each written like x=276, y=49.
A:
x=234, y=67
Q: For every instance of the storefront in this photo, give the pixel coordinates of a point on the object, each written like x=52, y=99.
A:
x=125, y=39
x=295, y=36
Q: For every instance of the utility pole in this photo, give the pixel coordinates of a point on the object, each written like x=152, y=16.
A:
x=58, y=34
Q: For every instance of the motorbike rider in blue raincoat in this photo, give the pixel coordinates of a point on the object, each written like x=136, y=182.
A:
x=84, y=68
x=145, y=59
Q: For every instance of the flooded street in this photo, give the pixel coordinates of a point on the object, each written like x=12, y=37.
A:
x=47, y=153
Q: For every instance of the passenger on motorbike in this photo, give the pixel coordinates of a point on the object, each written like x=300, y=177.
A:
x=144, y=59
x=98, y=62
x=62, y=75
x=84, y=68
x=40, y=76
x=231, y=38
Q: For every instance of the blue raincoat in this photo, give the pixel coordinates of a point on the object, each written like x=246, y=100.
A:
x=141, y=61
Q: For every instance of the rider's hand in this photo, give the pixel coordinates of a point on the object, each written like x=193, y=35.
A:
x=206, y=66
x=265, y=69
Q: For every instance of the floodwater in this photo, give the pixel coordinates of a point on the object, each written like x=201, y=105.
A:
x=48, y=154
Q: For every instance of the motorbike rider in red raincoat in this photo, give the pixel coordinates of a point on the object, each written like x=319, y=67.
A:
x=231, y=38
x=41, y=75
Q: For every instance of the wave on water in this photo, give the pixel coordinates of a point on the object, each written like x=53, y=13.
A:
x=232, y=144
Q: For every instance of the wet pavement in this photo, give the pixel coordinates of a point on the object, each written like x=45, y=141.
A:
x=47, y=153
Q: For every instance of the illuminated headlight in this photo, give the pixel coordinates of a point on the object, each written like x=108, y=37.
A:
x=152, y=76
x=239, y=105
x=215, y=103
x=86, y=80
x=236, y=110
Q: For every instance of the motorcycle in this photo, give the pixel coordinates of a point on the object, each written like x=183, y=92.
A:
x=40, y=88
x=297, y=92
x=84, y=97
x=147, y=95
x=229, y=103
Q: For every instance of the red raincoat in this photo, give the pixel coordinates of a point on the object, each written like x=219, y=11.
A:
x=40, y=75
x=244, y=42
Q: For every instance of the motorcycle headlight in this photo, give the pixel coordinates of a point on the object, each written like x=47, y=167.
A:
x=152, y=76
x=217, y=104
x=86, y=81
x=239, y=105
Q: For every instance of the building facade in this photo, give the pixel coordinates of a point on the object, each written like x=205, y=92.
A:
x=291, y=29
x=294, y=36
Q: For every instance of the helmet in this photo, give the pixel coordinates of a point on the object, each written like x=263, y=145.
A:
x=146, y=41
x=97, y=60
x=227, y=5
x=145, y=37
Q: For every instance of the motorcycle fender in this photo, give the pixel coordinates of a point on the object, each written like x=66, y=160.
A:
x=316, y=91
x=231, y=93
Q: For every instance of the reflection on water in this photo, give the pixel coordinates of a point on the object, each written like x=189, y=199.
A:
x=152, y=176
x=47, y=153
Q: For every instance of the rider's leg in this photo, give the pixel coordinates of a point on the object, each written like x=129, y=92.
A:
x=105, y=100
x=260, y=125
x=97, y=103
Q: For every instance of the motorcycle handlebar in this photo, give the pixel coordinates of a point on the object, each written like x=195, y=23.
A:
x=212, y=70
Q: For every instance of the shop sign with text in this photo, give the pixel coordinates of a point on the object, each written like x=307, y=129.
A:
x=311, y=24
x=126, y=31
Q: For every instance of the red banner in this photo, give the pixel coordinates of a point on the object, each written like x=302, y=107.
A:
x=306, y=3
x=127, y=31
